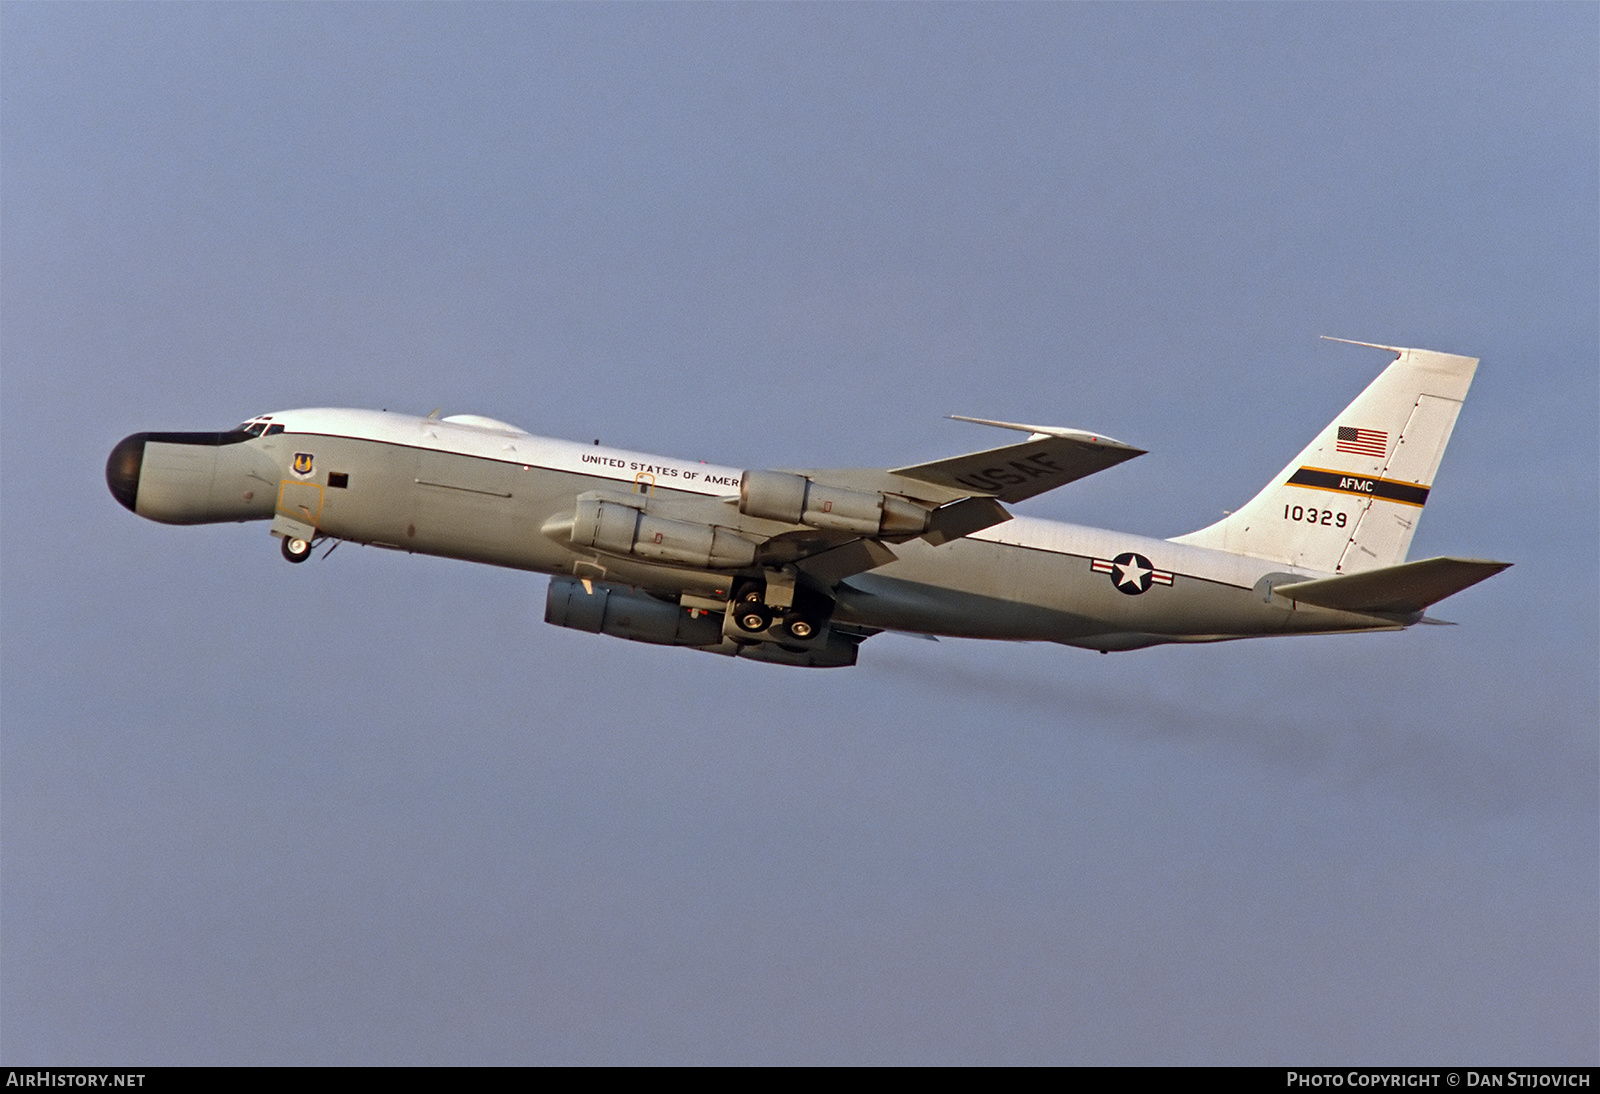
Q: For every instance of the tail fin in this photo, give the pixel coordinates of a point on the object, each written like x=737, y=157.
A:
x=1350, y=501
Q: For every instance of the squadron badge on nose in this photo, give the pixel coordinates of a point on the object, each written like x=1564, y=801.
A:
x=302, y=465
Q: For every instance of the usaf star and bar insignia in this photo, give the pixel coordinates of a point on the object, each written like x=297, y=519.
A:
x=1131, y=573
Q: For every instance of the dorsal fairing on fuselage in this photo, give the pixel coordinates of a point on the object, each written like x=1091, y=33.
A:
x=478, y=421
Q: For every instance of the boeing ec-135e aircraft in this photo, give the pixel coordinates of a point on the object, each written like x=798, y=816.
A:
x=800, y=567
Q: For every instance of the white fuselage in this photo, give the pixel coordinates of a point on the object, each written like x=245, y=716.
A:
x=484, y=491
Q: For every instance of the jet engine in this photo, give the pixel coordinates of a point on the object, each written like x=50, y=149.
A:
x=627, y=613
x=795, y=499
x=620, y=529
x=639, y=617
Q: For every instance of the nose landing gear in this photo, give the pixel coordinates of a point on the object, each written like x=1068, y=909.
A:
x=296, y=537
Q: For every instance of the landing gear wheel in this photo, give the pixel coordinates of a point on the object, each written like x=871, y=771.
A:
x=798, y=626
x=752, y=617
x=750, y=611
x=296, y=549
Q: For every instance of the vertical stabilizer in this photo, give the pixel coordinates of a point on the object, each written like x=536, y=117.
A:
x=1351, y=500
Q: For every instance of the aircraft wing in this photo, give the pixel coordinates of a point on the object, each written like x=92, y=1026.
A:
x=964, y=494
x=826, y=558
x=1050, y=457
x=830, y=524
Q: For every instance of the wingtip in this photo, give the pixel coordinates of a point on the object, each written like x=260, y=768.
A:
x=1369, y=345
x=1037, y=431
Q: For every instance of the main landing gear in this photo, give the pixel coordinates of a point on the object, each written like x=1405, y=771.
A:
x=799, y=626
x=750, y=612
x=797, y=622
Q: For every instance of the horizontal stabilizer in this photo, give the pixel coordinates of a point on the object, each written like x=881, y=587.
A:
x=1409, y=587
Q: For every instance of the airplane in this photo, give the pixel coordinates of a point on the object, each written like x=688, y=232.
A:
x=799, y=567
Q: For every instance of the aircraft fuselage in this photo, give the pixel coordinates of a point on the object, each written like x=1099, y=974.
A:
x=481, y=491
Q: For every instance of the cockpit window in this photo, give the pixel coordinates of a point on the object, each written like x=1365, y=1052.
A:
x=255, y=427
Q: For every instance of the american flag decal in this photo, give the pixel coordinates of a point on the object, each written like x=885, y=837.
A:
x=1362, y=442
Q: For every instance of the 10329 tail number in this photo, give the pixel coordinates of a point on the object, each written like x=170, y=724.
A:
x=1301, y=514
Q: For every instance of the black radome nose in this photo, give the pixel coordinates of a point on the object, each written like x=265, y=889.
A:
x=122, y=469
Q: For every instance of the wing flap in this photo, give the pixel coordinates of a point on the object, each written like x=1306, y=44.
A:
x=962, y=518
x=1409, y=587
x=832, y=566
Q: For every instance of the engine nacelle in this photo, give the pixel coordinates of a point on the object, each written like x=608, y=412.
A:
x=640, y=617
x=627, y=613
x=625, y=530
x=795, y=499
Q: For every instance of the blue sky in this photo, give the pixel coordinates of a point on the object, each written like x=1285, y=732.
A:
x=374, y=810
